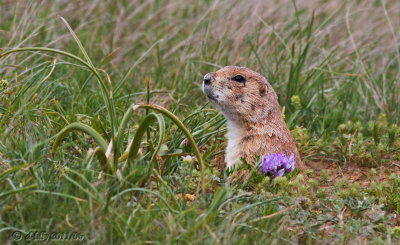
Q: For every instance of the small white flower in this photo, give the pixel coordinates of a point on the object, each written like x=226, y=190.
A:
x=215, y=178
x=187, y=159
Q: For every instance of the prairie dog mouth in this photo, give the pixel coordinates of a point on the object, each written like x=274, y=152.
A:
x=209, y=92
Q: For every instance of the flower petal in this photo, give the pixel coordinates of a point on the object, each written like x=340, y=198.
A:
x=280, y=172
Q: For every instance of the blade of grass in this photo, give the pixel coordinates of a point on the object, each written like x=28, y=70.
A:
x=139, y=134
x=61, y=195
x=189, y=136
x=27, y=188
x=83, y=128
x=7, y=172
x=107, y=98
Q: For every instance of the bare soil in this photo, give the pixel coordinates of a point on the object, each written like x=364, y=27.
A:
x=353, y=172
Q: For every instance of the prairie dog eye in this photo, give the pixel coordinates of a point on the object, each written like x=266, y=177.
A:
x=239, y=78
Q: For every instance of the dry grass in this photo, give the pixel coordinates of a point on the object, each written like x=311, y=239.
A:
x=361, y=36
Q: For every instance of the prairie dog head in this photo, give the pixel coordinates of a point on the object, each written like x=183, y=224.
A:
x=241, y=94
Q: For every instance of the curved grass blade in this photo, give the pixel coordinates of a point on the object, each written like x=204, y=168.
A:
x=56, y=51
x=188, y=135
x=83, y=128
x=161, y=128
x=121, y=128
x=141, y=130
x=102, y=84
x=77, y=41
x=108, y=99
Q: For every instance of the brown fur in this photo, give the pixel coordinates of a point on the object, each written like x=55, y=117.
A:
x=253, y=107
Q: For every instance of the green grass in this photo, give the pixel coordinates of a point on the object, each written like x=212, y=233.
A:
x=77, y=155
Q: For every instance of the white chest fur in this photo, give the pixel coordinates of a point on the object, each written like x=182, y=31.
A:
x=233, y=149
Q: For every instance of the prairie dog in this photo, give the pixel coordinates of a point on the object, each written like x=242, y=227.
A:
x=254, y=120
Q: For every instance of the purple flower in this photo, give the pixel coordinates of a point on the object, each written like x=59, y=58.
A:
x=185, y=141
x=288, y=163
x=280, y=172
x=277, y=164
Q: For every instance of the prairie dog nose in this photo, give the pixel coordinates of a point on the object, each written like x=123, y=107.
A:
x=207, y=79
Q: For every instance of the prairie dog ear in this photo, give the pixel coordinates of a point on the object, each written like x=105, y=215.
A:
x=263, y=89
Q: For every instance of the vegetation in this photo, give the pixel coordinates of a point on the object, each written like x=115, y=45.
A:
x=105, y=132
